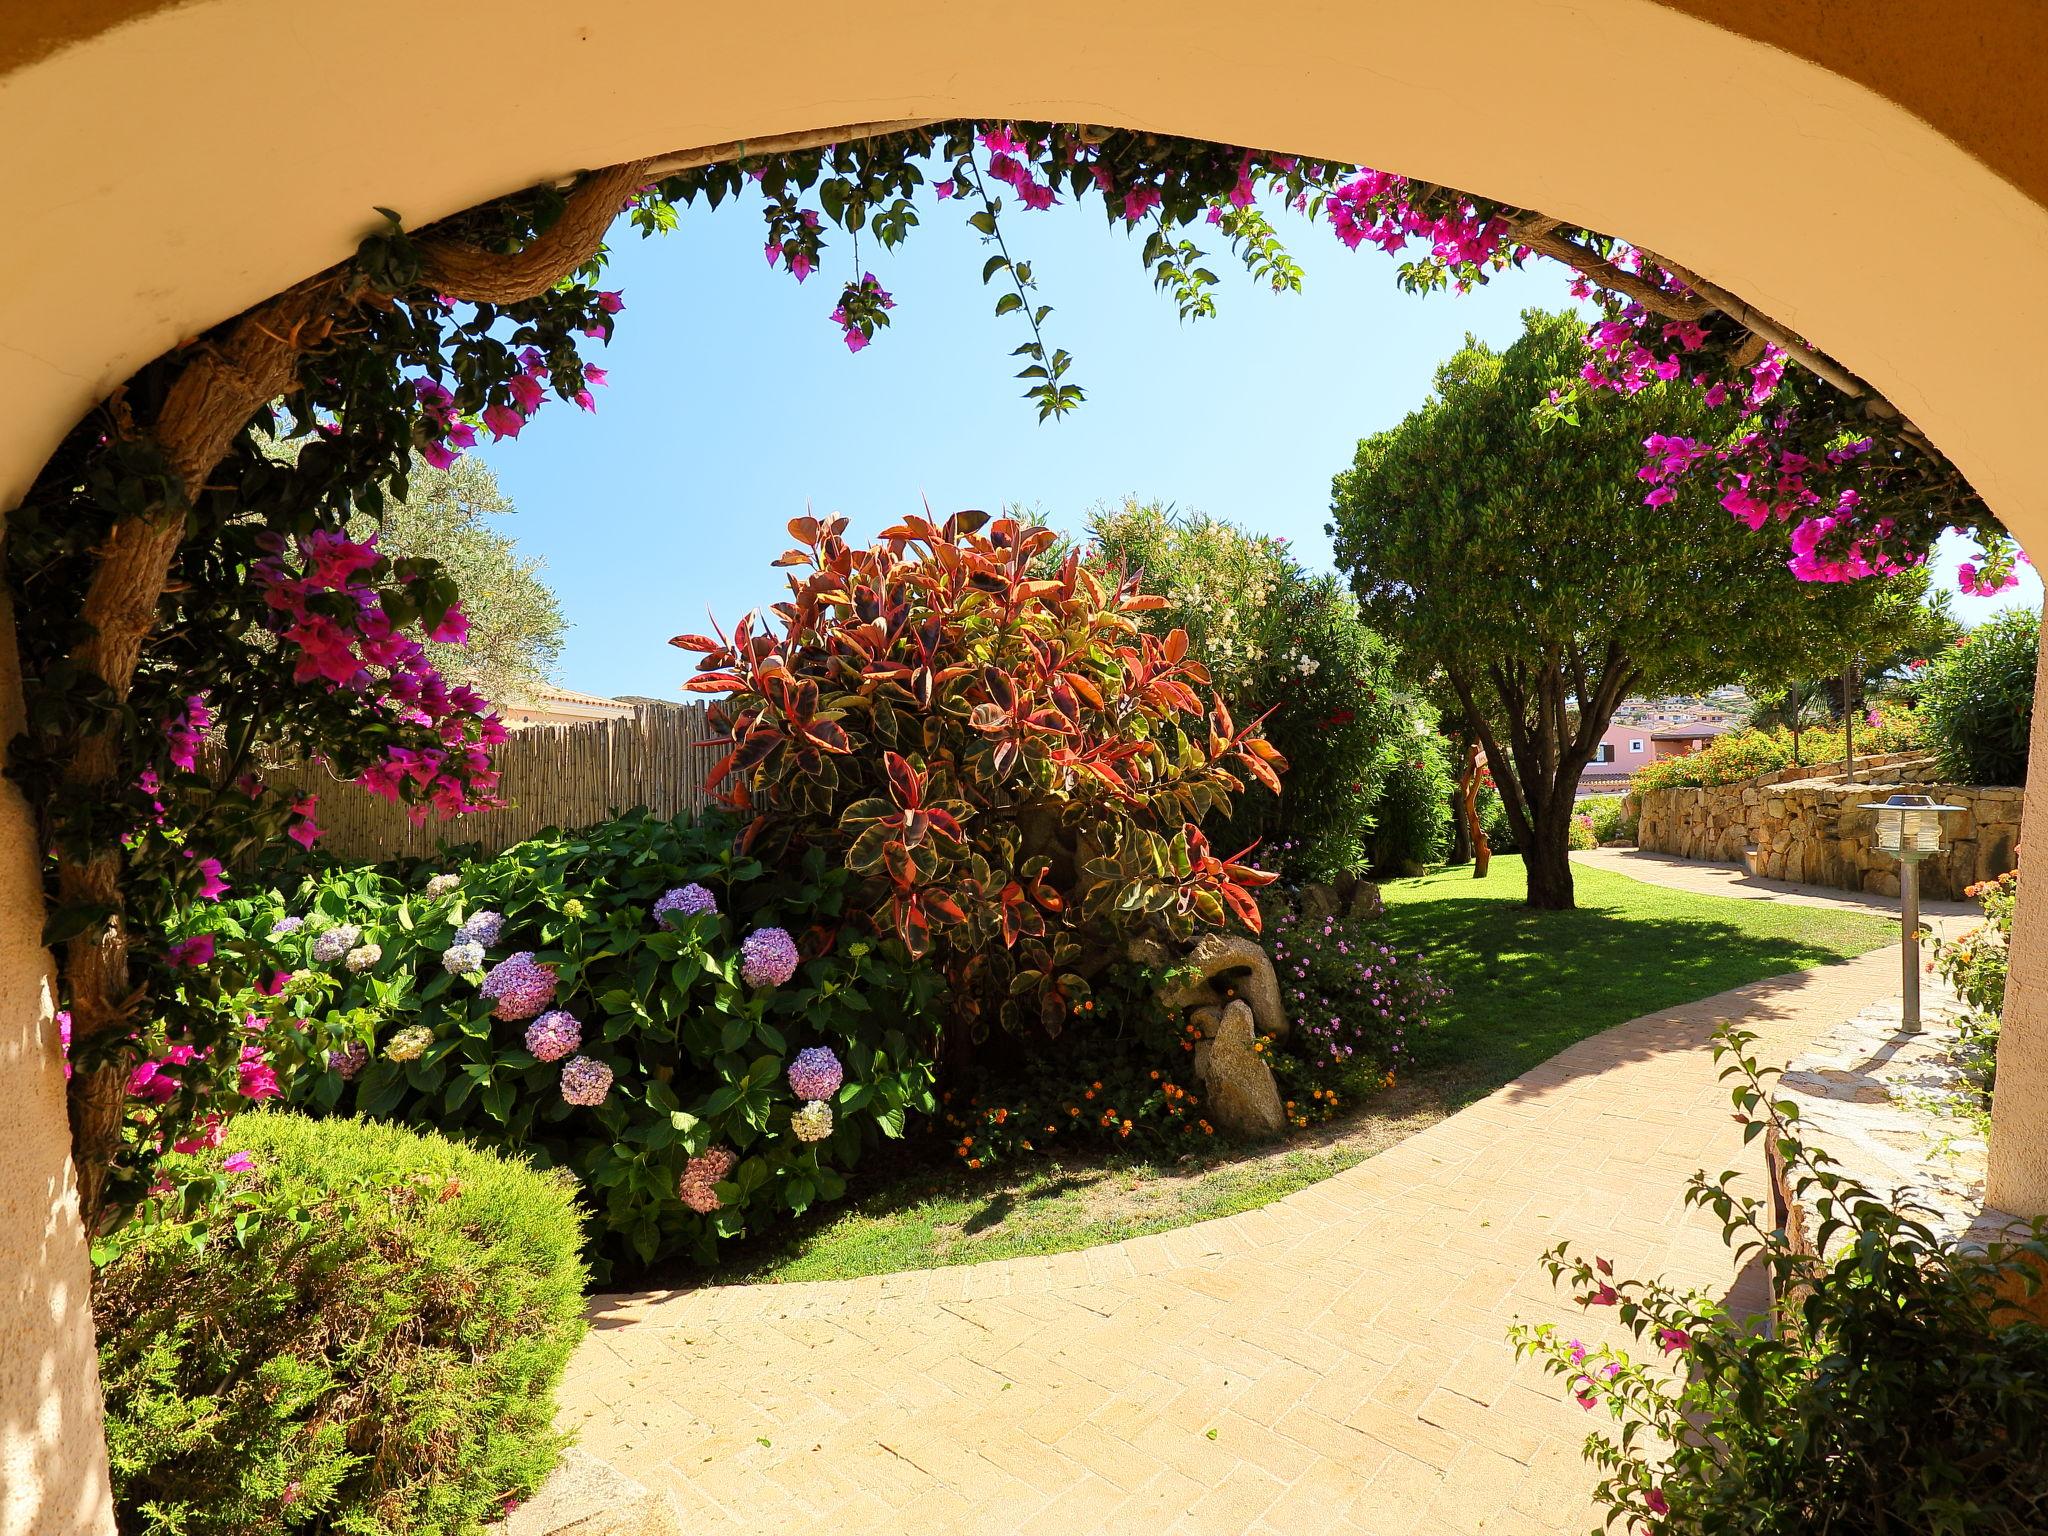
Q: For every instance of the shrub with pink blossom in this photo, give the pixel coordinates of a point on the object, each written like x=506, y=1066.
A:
x=621, y=1045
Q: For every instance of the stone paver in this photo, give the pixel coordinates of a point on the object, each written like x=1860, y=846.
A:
x=1334, y=1362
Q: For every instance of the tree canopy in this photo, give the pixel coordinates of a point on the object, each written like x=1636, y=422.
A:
x=1512, y=548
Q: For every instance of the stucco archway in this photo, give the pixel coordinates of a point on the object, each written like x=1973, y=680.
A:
x=1880, y=187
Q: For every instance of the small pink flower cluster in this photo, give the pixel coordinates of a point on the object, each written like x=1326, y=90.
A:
x=1375, y=207
x=187, y=732
x=701, y=1176
x=366, y=653
x=862, y=307
x=519, y=987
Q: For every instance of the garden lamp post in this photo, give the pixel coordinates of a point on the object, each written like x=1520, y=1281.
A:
x=1909, y=829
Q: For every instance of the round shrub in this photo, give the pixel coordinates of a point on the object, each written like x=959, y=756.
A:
x=361, y=1332
x=594, y=1035
x=1977, y=701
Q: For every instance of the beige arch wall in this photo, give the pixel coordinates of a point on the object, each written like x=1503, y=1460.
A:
x=142, y=209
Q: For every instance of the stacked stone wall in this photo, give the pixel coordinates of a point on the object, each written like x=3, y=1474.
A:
x=1791, y=825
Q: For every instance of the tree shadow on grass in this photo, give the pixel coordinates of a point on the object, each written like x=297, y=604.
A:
x=1526, y=985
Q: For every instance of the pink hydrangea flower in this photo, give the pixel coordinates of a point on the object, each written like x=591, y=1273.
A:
x=768, y=957
x=816, y=1073
x=519, y=987
x=349, y=1059
x=702, y=1174
x=553, y=1035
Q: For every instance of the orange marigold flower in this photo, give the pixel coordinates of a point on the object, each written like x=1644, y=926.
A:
x=974, y=1162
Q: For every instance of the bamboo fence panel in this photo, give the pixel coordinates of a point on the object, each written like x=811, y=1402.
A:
x=549, y=776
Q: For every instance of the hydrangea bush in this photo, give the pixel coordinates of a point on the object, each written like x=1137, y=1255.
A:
x=645, y=1052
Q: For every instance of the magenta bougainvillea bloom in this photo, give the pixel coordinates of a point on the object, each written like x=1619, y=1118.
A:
x=585, y=1082
x=519, y=987
x=813, y=1122
x=684, y=901
x=255, y=1077
x=197, y=950
x=349, y=1059
x=553, y=1035
x=238, y=1162
x=767, y=957
x=816, y=1073
x=701, y=1175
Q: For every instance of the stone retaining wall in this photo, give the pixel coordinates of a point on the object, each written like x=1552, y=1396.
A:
x=1809, y=829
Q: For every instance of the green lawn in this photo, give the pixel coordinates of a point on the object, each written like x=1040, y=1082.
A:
x=1524, y=985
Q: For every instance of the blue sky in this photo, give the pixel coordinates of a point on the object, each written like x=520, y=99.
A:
x=734, y=406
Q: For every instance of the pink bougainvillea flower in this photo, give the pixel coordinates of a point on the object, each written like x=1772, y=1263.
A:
x=1606, y=1296
x=612, y=302
x=238, y=1162
x=503, y=420
x=195, y=951
x=1658, y=1504
x=212, y=884
x=1673, y=1340
x=255, y=1077
x=211, y=1133
x=453, y=628
x=305, y=831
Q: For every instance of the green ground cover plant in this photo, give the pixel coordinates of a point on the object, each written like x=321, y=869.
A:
x=360, y=1332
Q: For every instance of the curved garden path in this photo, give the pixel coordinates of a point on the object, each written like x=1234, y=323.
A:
x=1332, y=1362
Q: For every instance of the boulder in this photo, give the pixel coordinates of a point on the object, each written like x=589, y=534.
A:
x=1237, y=1085
x=1228, y=965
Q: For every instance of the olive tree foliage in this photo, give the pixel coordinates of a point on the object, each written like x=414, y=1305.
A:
x=1512, y=551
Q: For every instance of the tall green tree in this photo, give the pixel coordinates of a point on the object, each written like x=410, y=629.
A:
x=1510, y=548
x=1285, y=644
x=515, y=623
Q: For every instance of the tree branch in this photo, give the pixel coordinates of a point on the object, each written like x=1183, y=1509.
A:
x=468, y=272
x=1540, y=235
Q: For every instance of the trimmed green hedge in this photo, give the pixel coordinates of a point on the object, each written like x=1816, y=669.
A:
x=361, y=1335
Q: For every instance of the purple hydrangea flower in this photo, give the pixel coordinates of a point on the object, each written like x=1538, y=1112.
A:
x=363, y=956
x=684, y=901
x=482, y=928
x=349, y=1060
x=585, y=1082
x=767, y=957
x=553, y=1035
x=701, y=1176
x=816, y=1073
x=519, y=987
x=813, y=1122
x=285, y=925
x=336, y=942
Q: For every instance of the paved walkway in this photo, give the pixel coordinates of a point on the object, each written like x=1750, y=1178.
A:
x=1333, y=1362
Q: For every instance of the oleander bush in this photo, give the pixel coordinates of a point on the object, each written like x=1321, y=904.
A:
x=708, y=1044
x=1977, y=701
x=361, y=1332
x=1902, y=1388
x=1412, y=817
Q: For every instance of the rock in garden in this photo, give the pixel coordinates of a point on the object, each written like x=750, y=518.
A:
x=1237, y=1085
x=1230, y=961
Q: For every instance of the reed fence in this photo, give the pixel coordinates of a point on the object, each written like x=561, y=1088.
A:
x=550, y=776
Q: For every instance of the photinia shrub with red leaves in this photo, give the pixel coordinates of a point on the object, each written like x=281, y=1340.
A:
x=1018, y=773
